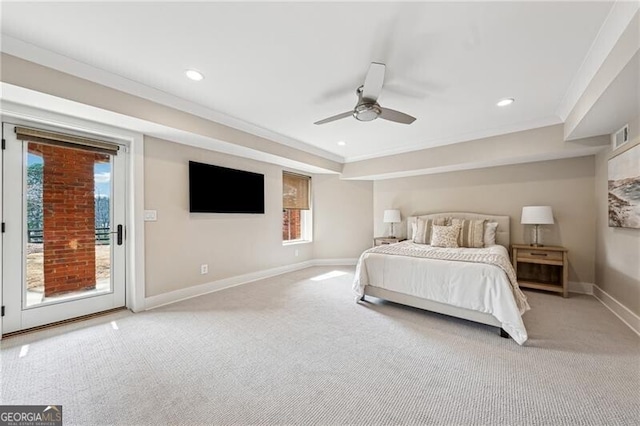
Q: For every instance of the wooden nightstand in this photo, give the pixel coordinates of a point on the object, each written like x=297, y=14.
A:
x=380, y=241
x=542, y=268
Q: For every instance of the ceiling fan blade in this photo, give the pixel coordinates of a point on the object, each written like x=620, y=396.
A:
x=397, y=116
x=373, y=82
x=335, y=117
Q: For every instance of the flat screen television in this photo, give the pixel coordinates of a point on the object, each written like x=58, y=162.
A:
x=215, y=189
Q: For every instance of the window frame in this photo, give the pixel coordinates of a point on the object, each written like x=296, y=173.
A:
x=306, y=215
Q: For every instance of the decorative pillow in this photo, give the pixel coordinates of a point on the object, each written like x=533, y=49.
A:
x=422, y=230
x=490, y=233
x=445, y=236
x=471, y=232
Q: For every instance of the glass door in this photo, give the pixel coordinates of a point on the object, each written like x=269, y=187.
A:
x=64, y=244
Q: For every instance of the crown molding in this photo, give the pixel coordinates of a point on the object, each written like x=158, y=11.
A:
x=466, y=137
x=29, y=52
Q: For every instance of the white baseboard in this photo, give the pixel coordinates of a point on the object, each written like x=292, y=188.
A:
x=334, y=262
x=198, y=290
x=618, y=309
x=579, y=287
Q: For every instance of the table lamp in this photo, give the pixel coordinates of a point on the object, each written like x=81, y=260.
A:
x=537, y=215
x=392, y=216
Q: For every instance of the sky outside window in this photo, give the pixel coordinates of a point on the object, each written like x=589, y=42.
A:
x=101, y=173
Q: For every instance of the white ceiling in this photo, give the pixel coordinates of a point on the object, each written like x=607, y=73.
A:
x=282, y=66
x=616, y=105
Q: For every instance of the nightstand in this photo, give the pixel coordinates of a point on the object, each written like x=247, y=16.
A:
x=380, y=241
x=541, y=268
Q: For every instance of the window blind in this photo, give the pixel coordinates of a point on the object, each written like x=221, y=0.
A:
x=69, y=141
x=295, y=191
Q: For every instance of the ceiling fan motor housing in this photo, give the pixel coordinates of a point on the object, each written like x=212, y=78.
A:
x=367, y=112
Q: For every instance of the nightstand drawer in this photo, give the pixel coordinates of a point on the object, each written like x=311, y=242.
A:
x=540, y=254
x=381, y=241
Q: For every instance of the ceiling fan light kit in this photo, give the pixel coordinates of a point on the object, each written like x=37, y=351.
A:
x=367, y=112
x=367, y=108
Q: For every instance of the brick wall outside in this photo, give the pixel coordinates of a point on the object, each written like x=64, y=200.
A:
x=68, y=218
x=291, y=218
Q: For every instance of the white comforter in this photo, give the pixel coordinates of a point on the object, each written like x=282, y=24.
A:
x=476, y=286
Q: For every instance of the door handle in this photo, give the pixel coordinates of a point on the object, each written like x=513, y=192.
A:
x=120, y=234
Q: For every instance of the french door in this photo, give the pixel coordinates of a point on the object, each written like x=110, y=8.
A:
x=63, y=247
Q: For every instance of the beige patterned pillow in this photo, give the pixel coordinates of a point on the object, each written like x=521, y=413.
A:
x=422, y=233
x=445, y=236
x=471, y=232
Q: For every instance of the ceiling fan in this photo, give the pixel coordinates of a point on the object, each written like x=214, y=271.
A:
x=367, y=108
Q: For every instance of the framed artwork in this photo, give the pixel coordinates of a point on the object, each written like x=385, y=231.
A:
x=624, y=189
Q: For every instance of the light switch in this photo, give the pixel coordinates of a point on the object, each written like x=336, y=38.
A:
x=150, y=215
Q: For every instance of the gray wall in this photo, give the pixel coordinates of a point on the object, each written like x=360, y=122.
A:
x=343, y=217
x=566, y=185
x=617, y=249
x=236, y=244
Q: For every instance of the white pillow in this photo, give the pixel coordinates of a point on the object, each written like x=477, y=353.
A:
x=490, y=233
x=445, y=236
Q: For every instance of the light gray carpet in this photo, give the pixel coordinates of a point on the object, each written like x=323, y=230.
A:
x=295, y=350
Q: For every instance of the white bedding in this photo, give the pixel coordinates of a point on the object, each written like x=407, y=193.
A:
x=476, y=286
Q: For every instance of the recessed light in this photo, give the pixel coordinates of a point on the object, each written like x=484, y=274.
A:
x=505, y=102
x=342, y=143
x=194, y=75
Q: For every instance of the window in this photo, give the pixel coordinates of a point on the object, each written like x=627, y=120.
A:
x=296, y=209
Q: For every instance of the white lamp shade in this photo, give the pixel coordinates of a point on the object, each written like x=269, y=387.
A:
x=537, y=215
x=391, y=216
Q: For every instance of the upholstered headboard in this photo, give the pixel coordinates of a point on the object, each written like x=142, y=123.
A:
x=503, y=236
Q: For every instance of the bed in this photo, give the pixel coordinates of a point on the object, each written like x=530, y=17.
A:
x=476, y=284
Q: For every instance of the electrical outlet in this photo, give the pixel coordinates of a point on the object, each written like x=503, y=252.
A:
x=296, y=253
x=204, y=269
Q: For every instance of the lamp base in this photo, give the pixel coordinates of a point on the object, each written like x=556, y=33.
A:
x=536, y=237
x=392, y=231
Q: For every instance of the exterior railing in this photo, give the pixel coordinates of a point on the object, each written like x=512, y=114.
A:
x=35, y=236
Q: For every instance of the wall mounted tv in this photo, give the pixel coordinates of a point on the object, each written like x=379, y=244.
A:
x=215, y=189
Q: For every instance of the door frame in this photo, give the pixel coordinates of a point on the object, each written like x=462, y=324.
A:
x=134, y=204
x=15, y=261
